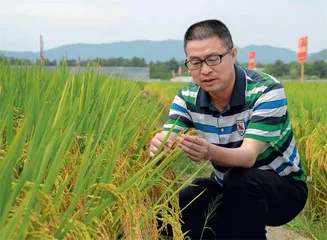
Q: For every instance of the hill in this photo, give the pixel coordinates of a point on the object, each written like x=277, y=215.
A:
x=156, y=51
x=321, y=55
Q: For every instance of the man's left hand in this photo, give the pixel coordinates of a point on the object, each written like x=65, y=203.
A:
x=195, y=147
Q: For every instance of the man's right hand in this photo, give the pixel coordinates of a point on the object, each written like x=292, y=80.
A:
x=156, y=142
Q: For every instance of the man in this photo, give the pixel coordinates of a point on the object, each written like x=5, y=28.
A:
x=246, y=133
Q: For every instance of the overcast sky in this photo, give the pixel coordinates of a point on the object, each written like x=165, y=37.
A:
x=260, y=22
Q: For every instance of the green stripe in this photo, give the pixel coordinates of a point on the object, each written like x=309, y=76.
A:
x=178, y=123
x=266, y=77
x=286, y=123
x=300, y=178
x=251, y=85
x=189, y=99
x=190, y=88
x=280, y=143
x=261, y=138
x=277, y=146
x=266, y=153
x=174, y=130
x=265, y=127
x=254, y=96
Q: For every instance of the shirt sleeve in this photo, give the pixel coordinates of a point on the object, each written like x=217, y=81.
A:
x=270, y=116
x=179, y=116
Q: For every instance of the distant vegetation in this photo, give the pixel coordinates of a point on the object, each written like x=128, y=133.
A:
x=163, y=70
x=158, y=51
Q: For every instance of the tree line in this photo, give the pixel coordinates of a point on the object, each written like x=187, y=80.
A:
x=164, y=69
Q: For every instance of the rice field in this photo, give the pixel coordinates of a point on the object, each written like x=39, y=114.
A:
x=74, y=158
x=74, y=155
x=307, y=104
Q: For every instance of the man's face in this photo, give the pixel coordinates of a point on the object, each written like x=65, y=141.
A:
x=213, y=79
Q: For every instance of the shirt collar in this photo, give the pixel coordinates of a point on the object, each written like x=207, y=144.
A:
x=238, y=95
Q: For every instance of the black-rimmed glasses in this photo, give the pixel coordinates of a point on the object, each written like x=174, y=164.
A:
x=213, y=60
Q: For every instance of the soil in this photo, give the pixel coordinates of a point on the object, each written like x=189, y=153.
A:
x=282, y=233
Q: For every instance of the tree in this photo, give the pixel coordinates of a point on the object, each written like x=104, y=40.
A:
x=172, y=64
x=278, y=69
x=294, y=70
x=319, y=68
x=138, y=62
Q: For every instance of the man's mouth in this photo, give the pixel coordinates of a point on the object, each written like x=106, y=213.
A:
x=208, y=80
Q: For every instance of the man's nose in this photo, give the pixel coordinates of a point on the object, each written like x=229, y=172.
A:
x=205, y=69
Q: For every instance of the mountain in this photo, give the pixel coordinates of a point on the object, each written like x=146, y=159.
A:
x=26, y=55
x=156, y=51
x=266, y=54
x=321, y=55
x=150, y=50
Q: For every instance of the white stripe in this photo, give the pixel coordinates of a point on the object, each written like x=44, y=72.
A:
x=171, y=125
x=265, y=167
x=189, y=93
x=211, y=137
x=263, y=133
x=273, y=95
x=214, y=138
x=293, y=168
x=255, y=90
x=205, y=119
x=173, y=111
x=285, y=158
x=179, y=101
x=282, y=135
x=274, y=112
x=227, y=121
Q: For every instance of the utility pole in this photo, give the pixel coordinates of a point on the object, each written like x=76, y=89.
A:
x=41, y=49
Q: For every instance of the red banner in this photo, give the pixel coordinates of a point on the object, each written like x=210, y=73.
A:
x=302, y=49
x=251, y=60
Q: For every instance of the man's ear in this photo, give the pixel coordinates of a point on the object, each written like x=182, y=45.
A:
x=234, y=54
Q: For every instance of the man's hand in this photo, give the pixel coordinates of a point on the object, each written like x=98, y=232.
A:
x=156, y=142
x=195, y=147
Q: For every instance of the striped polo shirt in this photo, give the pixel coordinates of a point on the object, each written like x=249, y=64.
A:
x=257, y=110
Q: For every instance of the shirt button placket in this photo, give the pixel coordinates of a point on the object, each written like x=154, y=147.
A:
x=218, y=127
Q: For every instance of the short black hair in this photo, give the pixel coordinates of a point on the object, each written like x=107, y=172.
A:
x=207, y=29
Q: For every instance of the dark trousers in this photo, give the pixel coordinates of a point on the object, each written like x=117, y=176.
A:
x=249, y=200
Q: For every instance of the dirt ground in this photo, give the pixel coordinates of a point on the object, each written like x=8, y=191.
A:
x=282, y=233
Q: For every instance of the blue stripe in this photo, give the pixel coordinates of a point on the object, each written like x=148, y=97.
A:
x=271, y=105
x=286, y=164
x=292, y=157
x=205, y=128
x=283, y=166
x=178, y=108
x=213, y=129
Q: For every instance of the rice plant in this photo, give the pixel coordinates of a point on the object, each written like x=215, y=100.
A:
x=74, y=158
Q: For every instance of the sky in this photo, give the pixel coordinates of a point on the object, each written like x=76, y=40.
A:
x=278, y=23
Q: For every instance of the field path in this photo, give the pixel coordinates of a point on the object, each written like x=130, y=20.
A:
x=282, y=233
